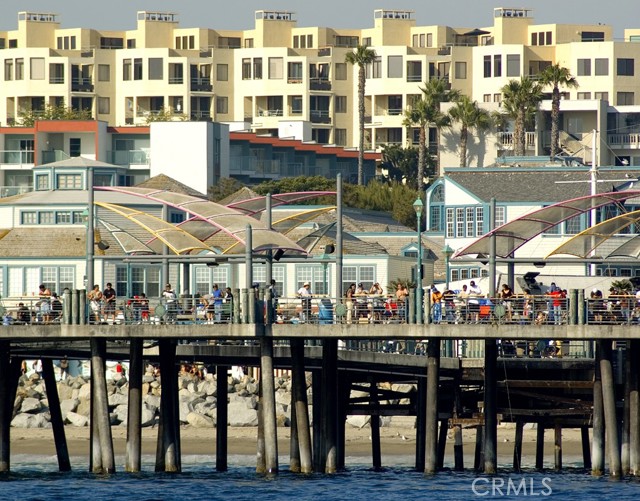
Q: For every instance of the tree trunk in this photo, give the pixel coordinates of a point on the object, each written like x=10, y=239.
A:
x=555, y=119
x=421, y=156
x=464, y=133
x=519, y=135
x=361, y=84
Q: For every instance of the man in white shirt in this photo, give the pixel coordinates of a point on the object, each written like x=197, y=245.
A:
x=474, y=302
x=305, y=295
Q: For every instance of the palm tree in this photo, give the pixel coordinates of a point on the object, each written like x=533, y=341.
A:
x=470, y=116
x=556, y=76
x=361, y=56
x=520, y=101
x=434, y=92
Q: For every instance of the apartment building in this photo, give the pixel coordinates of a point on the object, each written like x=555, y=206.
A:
x=279, y=76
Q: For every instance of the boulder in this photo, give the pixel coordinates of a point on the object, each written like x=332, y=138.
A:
x=69, y=405
x=85, y=392
x=358, y=421
x=31, y=405
x=64, y=392
x=199, y=421
x=77, y=419
x=241, y=415
x=283, y=397
x=403, y=388
x=148, y=417
x=84, y=408
x=117, y=399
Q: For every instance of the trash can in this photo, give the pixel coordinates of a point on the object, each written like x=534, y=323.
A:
x=325, y=312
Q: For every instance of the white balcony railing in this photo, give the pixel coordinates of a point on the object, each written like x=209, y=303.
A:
x=506, y=139
x=16, y=157
x=631, y=141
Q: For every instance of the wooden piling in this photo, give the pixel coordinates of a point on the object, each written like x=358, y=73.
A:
x=421, y=425
x=540, y=446
x=316, y=408
x=609, y=404
x=431, y=422
x=299, y=397
x=478, y=455
x=57, y=423
x=634, y=409
x=490, y=407
x=442, y=441
x=169, y=377
x=294, y=443
x=557, y=447
x=625, y=452
x=458, y=451
x=261, y=461
x=133, y=459
x=376, y=454
x=586, y=451
x=268, y=405
x=6, y=408
x=344, y=392
x=517, y=446
x=101, y=406
x=329, y=404
x=222, y=417
x=598, y=435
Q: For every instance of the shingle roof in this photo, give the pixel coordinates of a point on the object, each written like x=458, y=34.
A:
x=164, y=182
x=43, y=242
x=242, y=194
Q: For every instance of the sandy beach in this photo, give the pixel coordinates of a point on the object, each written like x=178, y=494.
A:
x=395, y=441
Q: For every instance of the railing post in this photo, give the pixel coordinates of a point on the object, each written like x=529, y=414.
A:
x=77, y=316
x=411, y=301
x=66, y=307
x=582, y=318
x=572, y=318
x=235, y=306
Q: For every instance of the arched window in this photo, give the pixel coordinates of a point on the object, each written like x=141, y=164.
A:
x=436, y=209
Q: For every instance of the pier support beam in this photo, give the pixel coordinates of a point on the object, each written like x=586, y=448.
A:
x=57, y=423
x=597, y=441
x=586, y=451
x=168, y=456
x=433, y=375
x=101, y=407
x=299, y=396
x=268, y=405
x=625, y=452
x=557, y=447
x=442, y=442
x=222, y=417
x=133, y=461
x=540, y=446
x=329, y=403
x=318, y=435
x=517, y=446
x=490, y=407
x=421, y=427
x=634, y=409
x=376, y=453
x=294, y=443
x=609, y=404
x=6, y=408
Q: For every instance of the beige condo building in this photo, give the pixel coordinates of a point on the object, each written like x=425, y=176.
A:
x=282, y=79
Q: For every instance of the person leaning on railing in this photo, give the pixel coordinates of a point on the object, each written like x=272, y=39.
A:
x=349, y=301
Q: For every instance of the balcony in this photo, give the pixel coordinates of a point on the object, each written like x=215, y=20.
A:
x=81, y=84
x=16, y=157
x=505, y=140
x=294, y=80
x=129, y=157
x=270, y=113
x=176, y=80
x=56, y=80
x=321, y=83
x=201, y=116
x=324, y=52
x=394, y=112
x=626, y=141
x=201, y=84
x=50, y=156
x=9, y=191
x=320, y=117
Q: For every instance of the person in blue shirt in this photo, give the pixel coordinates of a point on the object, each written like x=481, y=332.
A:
x=216, y=296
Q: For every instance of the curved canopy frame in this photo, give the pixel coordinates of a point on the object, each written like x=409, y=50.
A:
x=127, y=242
x=514, y=234
x=256, y=205
x=585, y=242
x=230, y=221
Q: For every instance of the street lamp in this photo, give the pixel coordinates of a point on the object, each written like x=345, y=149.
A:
x=448, y=252
x=417, y=206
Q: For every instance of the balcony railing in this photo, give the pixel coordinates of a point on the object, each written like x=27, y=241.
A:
x=320, y=83
x=201, y=116
x=394, y=111
x=16, y=157
x=176, y=80
x=270, y=113
x=631, y=141
x=56, y=80
x=129, y=157
x=506, y=139
x=320, y=117
x=9, y=191
x=203, y=84
x=294, y=80
x=50, y=156
x=414, y=78
x=81, y=84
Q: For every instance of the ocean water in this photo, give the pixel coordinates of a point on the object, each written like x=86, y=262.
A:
x=36, y=478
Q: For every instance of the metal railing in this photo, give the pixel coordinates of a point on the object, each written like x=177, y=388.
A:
x=507, y=139
x=16, y=157
x=624, y=140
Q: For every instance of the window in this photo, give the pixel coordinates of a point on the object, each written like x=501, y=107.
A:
x=257, y=68
x=534, y=39
x=275, y=68
x=340, y=137
x=487, y=66
x=137, y=68
x=294, y=70
x=111, y=43
x=497, y=97
x=309, y=41
x=584, y=95
x=155, y=68
x=222, y=105
x=513, y=65
x=497, y=65
x=315, y=275
x=549, y=38
x=277, y=273
x=376, y=67
x=63, y=217
x=75, y=147
x=42, y=182
x=573, y=225
x=584, y=67
x=296, y=105
x=486, y=98
x=464, y=222
x=126, y=69
x=501, y=216
x=603, y=96
x=601, y=66
x=37, y=68
x=593, y=36
x=131, y=44
x=625, y=67
x=414, y=71
x=222, y=72
x=429, y=39
x=341, y=71
x=246, y=69
x=356, y=275
x=460, y=70
x=340, y=104
x=28, y=217
x=134, y=279
x=69, y=181
x=104, y=105
x=104, y=73
x=623, y=98
x=19, y=69
x=8, y=69
x=394, y=67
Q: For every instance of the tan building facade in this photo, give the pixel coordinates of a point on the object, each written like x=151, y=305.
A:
x=278, y=75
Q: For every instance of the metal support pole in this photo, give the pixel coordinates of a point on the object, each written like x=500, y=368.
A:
x=90, y=230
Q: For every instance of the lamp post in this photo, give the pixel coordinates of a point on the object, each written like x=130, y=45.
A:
x=448, y=252
x=417, y=206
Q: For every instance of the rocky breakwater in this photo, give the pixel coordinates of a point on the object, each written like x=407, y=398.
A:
x=198, y=400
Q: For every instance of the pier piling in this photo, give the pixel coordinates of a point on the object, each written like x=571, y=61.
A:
x=299, y=396
x=57, y=423
x=222, y=417
x=6, y=409
x=609, y=404
x=268, y=405
x=634, y=409
x=101, y=407
x=431, y=422
x=490, y=407
x=133, y=460
x=598, y=436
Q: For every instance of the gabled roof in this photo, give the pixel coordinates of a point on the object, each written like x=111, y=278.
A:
x=164, y=182
x=539, y=185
